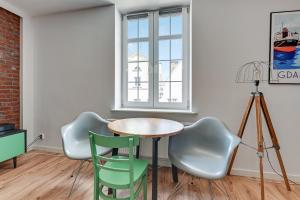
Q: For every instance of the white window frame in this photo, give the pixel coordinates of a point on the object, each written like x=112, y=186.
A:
x=153, y=68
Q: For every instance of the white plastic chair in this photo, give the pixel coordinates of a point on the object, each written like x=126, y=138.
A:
x=203, y=149
x=75, y=138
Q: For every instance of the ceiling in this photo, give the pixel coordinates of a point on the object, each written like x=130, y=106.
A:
x=44, y=7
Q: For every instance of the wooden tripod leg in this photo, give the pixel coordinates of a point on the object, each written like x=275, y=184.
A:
x=241, y=130
x=260, y=149
x=274, y=141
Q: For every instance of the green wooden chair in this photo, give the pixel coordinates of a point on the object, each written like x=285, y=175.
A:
x=117, y=172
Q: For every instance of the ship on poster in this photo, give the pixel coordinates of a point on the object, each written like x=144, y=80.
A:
x=285, y=47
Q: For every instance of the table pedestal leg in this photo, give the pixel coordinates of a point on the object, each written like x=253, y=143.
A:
x=137, y=155
x=154, y=167
x=115, y=151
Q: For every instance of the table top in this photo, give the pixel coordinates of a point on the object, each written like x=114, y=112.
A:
x=145, y=127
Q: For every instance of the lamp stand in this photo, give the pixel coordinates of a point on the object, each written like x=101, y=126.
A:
x=260, y=105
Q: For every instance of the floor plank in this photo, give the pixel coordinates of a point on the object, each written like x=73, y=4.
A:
x=47, y=176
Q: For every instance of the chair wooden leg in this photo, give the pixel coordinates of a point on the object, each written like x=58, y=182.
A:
x=174, y=174
x=115, y=152
x=15, y=162
x=114, y=193
x=96, y=188
x=145, y=187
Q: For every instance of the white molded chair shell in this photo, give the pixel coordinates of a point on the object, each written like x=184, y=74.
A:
x=75, y=135
x=203, y=149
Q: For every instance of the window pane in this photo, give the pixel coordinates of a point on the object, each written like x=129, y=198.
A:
x=164, y=92
x=144, y=71
x=143, y=27
x=176, y=49
x=176, y=92
x=164, y=25
x=132, y=28
x=176, y=70
x=144, y=92
x=132, y=52
x=164, y=70
x=164, y=50
x=143, y=51
x=132, y=72
x=132, y=92
x=176, y=25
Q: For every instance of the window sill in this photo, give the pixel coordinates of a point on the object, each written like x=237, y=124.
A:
x=154, y=111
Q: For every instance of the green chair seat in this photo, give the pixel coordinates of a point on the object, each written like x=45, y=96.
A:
x=121, y=180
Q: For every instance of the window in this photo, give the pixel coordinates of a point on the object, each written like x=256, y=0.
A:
x=155, y=68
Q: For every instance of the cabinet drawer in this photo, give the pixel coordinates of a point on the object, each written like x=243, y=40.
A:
x=12, y=146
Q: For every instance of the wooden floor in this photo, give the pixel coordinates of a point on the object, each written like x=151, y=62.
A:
x=42, y=175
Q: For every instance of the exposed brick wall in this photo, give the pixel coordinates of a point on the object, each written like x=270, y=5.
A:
x=9, y=67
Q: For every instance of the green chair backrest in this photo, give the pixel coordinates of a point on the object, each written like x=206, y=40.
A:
x=113, y=142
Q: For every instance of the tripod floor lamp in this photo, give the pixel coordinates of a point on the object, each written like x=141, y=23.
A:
x=254, y=72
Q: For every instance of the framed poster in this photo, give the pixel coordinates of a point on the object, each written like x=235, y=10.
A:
x=284, y=47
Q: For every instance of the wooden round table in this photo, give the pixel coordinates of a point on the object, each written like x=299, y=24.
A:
x=148, y=128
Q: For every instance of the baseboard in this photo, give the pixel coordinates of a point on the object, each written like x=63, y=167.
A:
x=165, y=162
x=47, y=148
x=267, y=175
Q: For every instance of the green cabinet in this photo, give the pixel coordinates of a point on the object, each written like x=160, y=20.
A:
x=12, y=144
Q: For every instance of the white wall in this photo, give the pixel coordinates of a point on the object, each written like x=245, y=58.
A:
x=74, y=68
x=26, y=72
